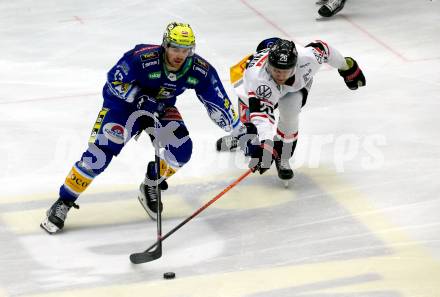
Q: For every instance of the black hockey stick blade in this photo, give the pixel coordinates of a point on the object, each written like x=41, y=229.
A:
x=147, y=256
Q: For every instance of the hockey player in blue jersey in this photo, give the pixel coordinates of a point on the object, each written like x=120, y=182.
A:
x=142, y=89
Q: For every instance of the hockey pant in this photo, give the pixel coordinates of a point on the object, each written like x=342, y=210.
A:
x=114, y=127
x=289, y=108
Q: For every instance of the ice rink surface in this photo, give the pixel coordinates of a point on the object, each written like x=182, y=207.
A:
x=362, y=217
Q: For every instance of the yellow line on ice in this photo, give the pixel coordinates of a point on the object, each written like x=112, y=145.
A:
x=126, y=211
x=3, y=293
x=113, y=188
x=408, y=271
x=94, y=214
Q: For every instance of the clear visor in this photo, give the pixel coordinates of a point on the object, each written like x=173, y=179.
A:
x=280, y=75
x=176, y=45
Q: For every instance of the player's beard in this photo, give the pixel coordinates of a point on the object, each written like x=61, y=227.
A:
x=174, y=64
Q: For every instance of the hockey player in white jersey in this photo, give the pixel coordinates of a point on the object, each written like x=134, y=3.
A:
x=280, y=75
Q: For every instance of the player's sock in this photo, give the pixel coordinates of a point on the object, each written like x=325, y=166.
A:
x=148, y=195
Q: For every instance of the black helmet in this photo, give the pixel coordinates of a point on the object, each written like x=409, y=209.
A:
x=266, y=43
x=283, y=54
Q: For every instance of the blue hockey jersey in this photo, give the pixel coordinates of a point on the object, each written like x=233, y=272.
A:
x=142, y=71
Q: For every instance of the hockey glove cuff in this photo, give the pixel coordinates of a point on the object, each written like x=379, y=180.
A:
x=353, y=76
x=262, y=155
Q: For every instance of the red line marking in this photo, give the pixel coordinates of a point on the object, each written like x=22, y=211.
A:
x=80, y=20
x=371, y=36
x=266, y=19
x=357, y=26
x=425, y=59
x=274, y=25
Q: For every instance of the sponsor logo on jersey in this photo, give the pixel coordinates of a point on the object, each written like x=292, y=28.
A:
x=154, y=75
x=166, y=93
x=264, y=91
x=202, y=63
x=201, y=70
x=97, y=125
x=192, y=80
x=172, y=76
x=304, y=65
x=149, y=56
x=76, y=181
x=307, y=75
x=114, y=132
x=148, y=64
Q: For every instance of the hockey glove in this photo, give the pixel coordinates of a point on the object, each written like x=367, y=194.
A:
x=353, y=76
x=150, y=104
x=262, y=156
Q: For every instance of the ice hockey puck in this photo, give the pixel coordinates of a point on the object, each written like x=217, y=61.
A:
x=169, y=275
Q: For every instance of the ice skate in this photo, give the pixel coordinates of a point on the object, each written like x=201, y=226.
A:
x=148, y=196
x=56, y=215
x=285, y=173
x=227, y=143
x=331, y=7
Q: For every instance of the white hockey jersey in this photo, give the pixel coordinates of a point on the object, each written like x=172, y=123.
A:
x=258, y=83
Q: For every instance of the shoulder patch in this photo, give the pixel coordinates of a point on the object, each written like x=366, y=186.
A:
x=154, y=75
x=320, y=56
x=149, y=56
x=320, y=50
x=192, y=80
x=202, y=63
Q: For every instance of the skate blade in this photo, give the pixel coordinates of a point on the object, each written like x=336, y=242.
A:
x=143, y=202
x=286, y=184
x=49, y=227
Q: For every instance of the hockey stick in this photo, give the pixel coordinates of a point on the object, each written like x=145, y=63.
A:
x=157, y=252
x=148, y=255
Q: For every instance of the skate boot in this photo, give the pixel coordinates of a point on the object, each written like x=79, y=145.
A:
x=148, y=196
x=331, y=7
x=227, y=143
x=285, y=173
x=56, y=215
